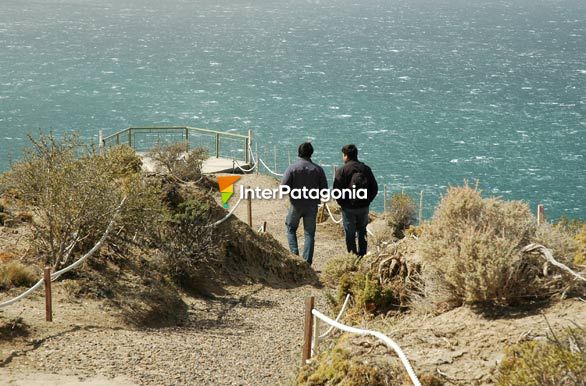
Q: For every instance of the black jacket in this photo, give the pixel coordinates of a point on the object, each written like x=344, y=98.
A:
x=343, y=178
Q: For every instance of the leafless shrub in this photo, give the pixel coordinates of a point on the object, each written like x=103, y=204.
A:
x=178, y=162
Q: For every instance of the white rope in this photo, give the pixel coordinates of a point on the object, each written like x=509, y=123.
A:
x=56, y=275
x=388, y=341
x=227, y=216
x=22, y=295
x=546, y=253
x=331, y=215
x=269, y=169
x=346, y=301
x=244, y=170
x=369, y=232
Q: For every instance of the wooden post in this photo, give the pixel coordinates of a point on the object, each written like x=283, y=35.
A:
x=264, y=227
x=420, y=213
x=217, y=145
x=257, y=159
x=276, y=159
x=130, y=137
x=100, y=141
x=385, y=198
x=540, y=214
x=48, y=299
x=187, y=139
x=309, y=303
x=248, y=144
x=249, y=204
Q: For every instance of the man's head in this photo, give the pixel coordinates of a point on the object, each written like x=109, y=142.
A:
x=305, y=150
x=349, y=153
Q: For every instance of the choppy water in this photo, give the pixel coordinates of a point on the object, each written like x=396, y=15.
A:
x=431, y=91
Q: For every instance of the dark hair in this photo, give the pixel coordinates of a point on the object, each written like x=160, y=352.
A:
x=305, y=150
x=351, y=151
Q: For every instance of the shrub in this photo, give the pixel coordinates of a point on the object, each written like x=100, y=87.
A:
x=401, y=213
x=187, y=240
x=580, y=239
x=16, y=274
x=473, y=244
x=368, y=294
x=337, y=266
x=74, y=191
x=548, y=363
x=122, y=161
x=177, y=162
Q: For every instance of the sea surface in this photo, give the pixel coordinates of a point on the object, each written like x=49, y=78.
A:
x=432, y=92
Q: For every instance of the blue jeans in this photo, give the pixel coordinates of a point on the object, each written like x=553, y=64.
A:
x=355, y=221
x=309, y=214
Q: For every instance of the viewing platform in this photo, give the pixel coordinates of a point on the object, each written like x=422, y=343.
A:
x=225, y=149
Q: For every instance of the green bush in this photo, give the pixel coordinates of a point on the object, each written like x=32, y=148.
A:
x=548, y=363
x=402, y=213
x=337, y=266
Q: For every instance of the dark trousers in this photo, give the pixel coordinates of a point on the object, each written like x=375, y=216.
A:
x=355, y=221
x=309, y=214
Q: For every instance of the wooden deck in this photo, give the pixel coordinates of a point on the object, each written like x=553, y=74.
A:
x=212, y=165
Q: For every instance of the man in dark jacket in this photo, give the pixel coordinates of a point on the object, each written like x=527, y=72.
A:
x=355, y=175
x=303, y=174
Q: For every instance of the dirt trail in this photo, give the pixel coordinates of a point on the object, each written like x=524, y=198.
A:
x=250, y=336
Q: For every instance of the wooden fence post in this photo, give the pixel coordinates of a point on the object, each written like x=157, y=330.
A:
x=257, y=162
x=307, y=337
x=249, y=204
x=540, y=214
x=385, y=198
x=48, y=299
x=217, y=145
x=187, y=139
x=420, y=220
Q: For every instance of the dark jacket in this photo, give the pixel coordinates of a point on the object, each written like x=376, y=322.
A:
x=343, y=178
x=304, y=173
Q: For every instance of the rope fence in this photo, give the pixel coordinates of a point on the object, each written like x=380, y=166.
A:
x=312, y=337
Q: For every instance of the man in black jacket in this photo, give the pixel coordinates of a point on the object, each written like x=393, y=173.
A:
x=303, y=174
x=355, y=175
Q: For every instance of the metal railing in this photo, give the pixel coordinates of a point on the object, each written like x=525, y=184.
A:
x=218, y=143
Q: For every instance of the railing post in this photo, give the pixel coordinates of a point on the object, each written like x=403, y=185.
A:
x=117, y=139
x=217, y=145
x=385, y=198
x=130, y=137
x=257, y=164
x=187, y=139
x=540, y=214
x=48, y=299
x=420, y=207
x=248, y=143
x=100, y=140
x=249, y=205
x=309, y=304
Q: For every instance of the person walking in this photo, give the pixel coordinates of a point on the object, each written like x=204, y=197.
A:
x=304, y=173
x=355, y=175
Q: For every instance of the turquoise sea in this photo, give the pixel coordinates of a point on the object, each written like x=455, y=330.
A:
x=432, y=91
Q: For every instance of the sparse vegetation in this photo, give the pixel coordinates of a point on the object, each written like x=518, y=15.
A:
x=554, y=362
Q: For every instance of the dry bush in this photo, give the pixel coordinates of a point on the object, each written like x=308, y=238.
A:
x=337, y=266
x=16, y=274
x=555, y=362
x=473, y=245
x=580, y=239
x=73, y=192
x=557, y=239
x=178, y=162
x=6, y=257
x=13, y=328
x=401, y=213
